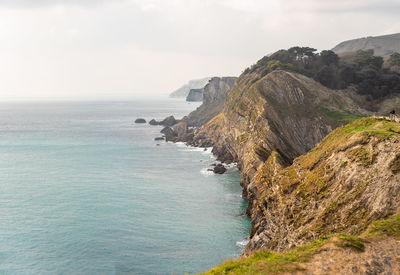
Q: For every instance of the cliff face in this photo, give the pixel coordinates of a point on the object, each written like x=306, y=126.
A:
x=282, y=112
x=382, y=45
x=344, y=184
x=183, y=91
x=267, y=122
x=195, y=95
x=335, y=210
x=214, y=95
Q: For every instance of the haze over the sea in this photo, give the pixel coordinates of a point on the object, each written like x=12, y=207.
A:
x=109, y=49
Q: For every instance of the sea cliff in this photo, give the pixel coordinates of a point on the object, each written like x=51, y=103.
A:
x=314, y=183
x=299, y=185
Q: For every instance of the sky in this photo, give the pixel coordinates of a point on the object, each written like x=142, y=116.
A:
x=97, y=49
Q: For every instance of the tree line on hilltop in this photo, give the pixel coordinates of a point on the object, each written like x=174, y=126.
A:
x=370, y=75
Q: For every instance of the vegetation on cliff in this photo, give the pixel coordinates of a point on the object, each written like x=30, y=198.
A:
x=344, y=184
x=268, y=262
x=361, y=69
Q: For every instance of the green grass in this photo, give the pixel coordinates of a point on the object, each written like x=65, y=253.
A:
x=390, y=227
x=267, y=262
x=351, y=242
x=341, y=116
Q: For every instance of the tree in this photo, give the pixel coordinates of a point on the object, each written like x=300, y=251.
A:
x=367, y=58
x=394, y=59
x=329, y=57
x=327, y=76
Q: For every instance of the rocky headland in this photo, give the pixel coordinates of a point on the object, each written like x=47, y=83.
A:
x=319, y=169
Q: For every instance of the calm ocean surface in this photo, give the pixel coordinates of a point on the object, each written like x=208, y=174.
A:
x=84, y=190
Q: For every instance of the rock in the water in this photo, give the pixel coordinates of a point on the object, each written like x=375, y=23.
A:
x=169, y=133
x=154, y=122
x=169, y=121
x=219, y=169
x=140, y=120
x=181, y=129
x=159, y=138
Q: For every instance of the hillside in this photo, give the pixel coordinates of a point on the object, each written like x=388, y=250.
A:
x=383, y=45
x=268, y=121
x=346, y=189
x=183, y=91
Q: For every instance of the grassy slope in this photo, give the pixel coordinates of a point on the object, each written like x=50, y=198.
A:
x=266, y=262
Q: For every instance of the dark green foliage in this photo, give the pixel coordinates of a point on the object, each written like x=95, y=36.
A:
x=366, y=58
x=328, y=58
x=363, y=70
x=394, y=59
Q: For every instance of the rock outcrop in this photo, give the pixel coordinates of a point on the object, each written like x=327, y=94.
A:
x=169, y=134
x=168, y=121
x=219, y=169
x=195, y=95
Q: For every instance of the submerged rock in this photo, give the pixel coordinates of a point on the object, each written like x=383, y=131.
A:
x=140, y=120
x=159, y=138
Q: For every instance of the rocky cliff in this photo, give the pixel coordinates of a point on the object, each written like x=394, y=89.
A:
x=333, y=210
x=342, y=185
x=383, y=45
x=195, y=95
x=183, y=91
x=214, y=95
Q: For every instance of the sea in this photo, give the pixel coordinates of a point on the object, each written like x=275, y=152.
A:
x=85, y=190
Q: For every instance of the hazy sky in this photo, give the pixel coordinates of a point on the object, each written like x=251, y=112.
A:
x=114, y=48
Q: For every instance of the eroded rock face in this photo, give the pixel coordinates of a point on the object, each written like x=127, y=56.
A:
x=343, y=185
x=274, y=119
x=195, y=95
x=214, y=95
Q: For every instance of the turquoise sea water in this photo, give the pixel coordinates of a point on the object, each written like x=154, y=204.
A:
x=84, y=190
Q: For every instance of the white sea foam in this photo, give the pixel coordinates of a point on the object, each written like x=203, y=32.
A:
x=206, y=173
x=243, y=243
x=232, y=165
